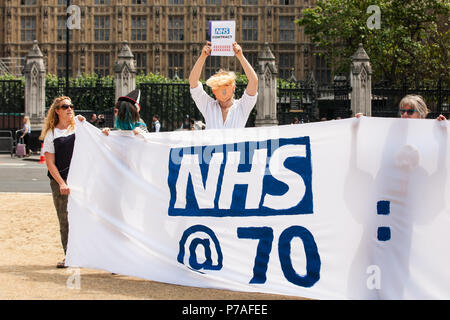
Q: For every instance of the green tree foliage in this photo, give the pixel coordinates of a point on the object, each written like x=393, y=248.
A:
x=156, y=78
x=12, y=77
x=88, y=91
x=85, y=80
x=412, y=41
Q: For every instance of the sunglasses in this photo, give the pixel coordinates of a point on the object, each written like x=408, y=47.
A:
x=66, y=106
x=410, y=112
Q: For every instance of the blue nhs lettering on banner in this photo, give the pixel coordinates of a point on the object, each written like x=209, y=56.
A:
x=252, y=178
x=221, y=30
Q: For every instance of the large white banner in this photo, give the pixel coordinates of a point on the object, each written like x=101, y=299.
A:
x=348, y=209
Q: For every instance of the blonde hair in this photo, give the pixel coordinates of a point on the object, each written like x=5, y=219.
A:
x=27, y=120
x=417, y=102
x=221, y=78
x=52, y=119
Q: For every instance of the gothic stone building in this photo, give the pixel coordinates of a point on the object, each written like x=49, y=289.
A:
x=165, y=36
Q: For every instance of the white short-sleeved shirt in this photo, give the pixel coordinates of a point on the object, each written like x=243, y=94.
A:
x=52, y=135
x=157, y=126
x=26, y=126
x=237, y=115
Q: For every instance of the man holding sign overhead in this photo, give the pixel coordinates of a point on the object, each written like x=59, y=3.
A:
x=225, y=111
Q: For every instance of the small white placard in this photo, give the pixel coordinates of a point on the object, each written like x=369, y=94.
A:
x=222, y=37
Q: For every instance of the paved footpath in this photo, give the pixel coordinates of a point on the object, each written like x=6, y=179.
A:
x=23, y=175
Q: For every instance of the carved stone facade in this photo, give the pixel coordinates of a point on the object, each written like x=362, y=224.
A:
x=147, y=26
x=34, y=72
x=266, y=104
x=125, y=72
x=361, y=82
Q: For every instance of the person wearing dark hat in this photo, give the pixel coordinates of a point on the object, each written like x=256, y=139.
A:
x=128, y=117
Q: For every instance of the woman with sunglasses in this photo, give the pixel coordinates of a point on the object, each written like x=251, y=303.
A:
x=58, y=134
x=413, y=107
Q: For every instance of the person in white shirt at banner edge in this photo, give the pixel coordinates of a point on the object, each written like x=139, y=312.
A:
x=59, y=138
x=225, y=112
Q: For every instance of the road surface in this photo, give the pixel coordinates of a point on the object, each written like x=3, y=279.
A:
x=23, y=175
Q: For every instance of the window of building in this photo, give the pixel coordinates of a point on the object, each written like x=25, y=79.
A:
x=322, y=72
x=138, y=28
x=287, y=2
x=250, y=28
x=101, y=28
x=138, y=1
x=176, y=28
x=249, y=1
x=212, y=2
x=64, y=2
x=61, y=65
x=28, y=28
x=176, y=1
x=287, y=28
x=62, y=28
x=141, y=62
x=285, y=65
x=212, y=65
x=208, y=19
x=27, y=2
x=101, y=2
x=176, y=64
x=101, y=64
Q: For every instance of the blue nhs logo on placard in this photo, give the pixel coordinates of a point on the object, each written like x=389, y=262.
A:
x=221, y=30
x=253, y=178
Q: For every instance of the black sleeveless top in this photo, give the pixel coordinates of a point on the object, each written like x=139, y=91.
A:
x=63, y=154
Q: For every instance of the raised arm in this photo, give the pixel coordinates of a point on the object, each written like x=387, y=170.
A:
x=252, y=86
x=198, y=66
